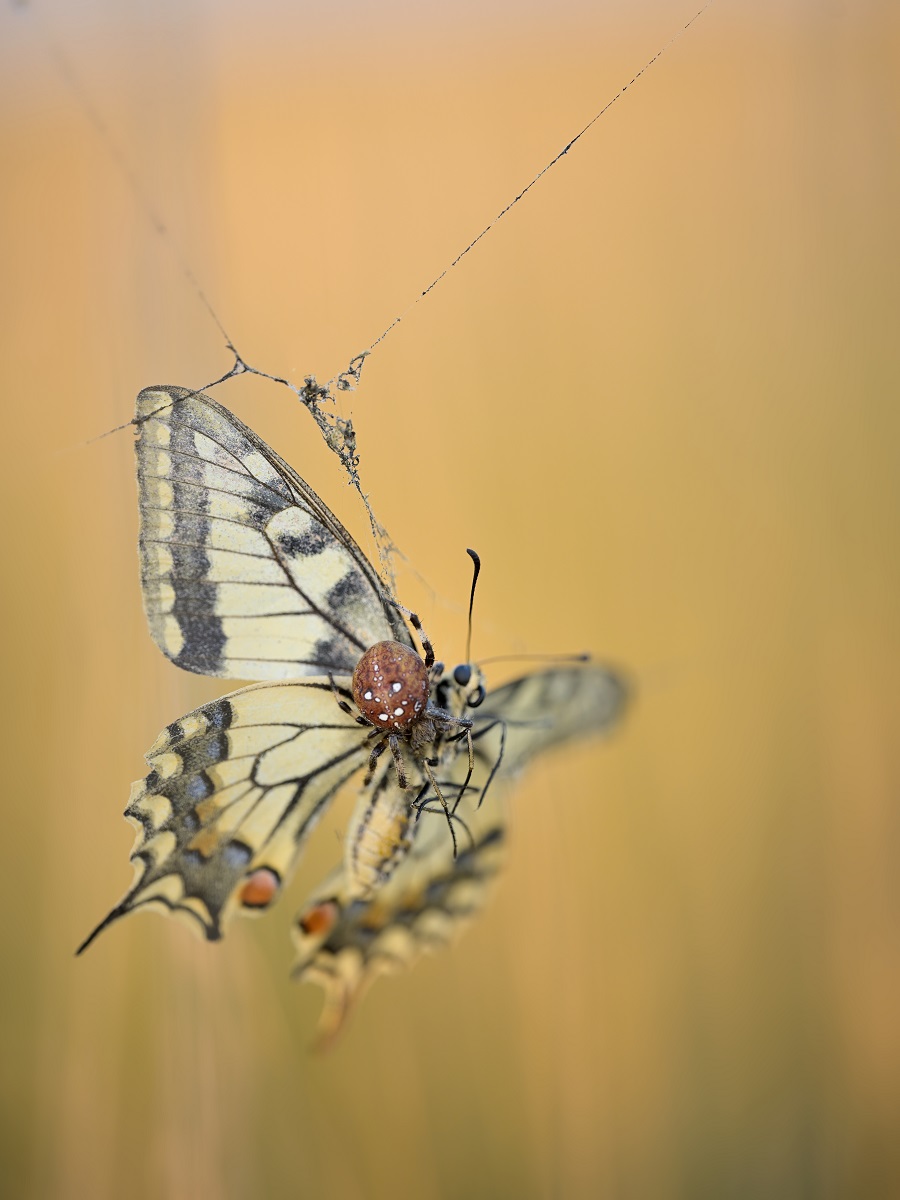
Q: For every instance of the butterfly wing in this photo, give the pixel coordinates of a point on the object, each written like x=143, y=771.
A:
x=547, y=709
x=344, y=943
x=245, y=572
x=234, y=789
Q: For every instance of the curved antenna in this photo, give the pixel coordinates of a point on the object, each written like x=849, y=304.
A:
x=475, y=573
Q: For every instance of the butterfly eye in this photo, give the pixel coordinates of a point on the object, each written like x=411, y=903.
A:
x=462, y=674
x=476, y=697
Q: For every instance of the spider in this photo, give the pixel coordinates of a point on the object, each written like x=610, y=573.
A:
x=391, y=687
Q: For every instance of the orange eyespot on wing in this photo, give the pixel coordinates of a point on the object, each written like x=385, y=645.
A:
x=260, y=889
x=319, y=920
x=390, y=686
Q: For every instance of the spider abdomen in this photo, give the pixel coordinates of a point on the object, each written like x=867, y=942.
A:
x=390, y=686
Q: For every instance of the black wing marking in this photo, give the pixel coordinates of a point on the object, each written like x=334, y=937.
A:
x=246, y=573
x=234, y=789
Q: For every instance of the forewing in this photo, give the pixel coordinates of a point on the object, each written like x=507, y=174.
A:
x=234, y=789
x=245, y=572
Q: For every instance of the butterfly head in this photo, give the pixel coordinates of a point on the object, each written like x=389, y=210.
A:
x=460, y=687
x=468, y=677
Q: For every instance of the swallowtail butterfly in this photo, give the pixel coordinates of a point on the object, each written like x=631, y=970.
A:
x=246, y=574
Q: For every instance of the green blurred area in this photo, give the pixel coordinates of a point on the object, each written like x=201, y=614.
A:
x=660, y=399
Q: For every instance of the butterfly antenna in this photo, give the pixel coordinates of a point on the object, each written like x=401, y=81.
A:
x=475, y=573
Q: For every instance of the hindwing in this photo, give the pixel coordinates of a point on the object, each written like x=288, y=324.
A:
x=245, y=572
x=233, y=791
x=345, y=943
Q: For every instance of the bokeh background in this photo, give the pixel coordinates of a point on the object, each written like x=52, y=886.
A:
x=660, y=398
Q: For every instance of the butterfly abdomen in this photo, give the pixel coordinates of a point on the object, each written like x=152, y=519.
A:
x=378, y=840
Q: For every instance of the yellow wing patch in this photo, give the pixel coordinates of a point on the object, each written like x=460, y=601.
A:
x=245, y=572
x=234, y=789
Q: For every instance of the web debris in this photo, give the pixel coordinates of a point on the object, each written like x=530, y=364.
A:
x=527, y=188
x=336, y=431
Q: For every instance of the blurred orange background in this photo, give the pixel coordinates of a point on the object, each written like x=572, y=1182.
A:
x=660, y=398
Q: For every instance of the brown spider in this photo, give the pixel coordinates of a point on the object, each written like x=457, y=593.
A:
x=391, y=687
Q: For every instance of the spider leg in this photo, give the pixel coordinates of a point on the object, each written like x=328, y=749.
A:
x=342, y=704
x=449, y=719
x=453, y=817
x=423, y=636
x=440, y=795
x=377, y=750
x=394, y=742
x=424, y=639
x=496, y=767
x=421, y=795
x=468, y=778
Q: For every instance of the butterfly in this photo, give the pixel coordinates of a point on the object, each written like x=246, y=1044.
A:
x=246, y=573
